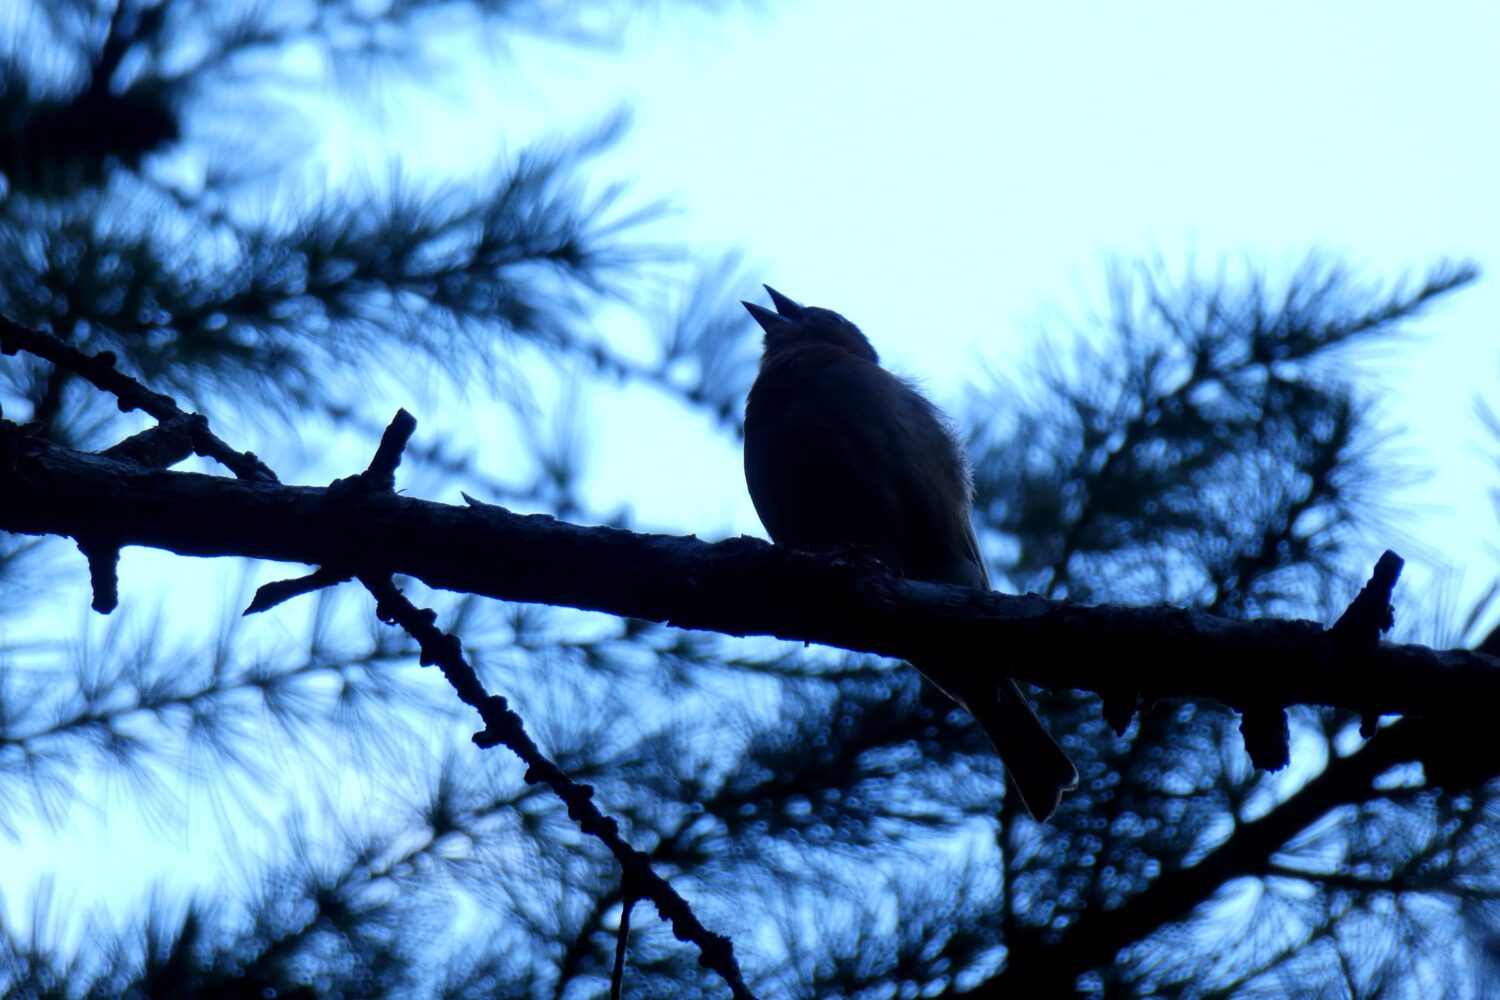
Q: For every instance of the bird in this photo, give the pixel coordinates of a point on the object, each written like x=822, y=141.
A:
x=841, y=453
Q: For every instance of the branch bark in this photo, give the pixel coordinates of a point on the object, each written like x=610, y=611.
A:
x=741, y=586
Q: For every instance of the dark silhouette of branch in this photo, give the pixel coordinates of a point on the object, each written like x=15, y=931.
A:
x=502, y=724
x=1051, y=969
x=100, y=370
x=740, y=587
x=617, y=976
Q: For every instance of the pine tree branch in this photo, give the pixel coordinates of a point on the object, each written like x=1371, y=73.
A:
x=502, y=725
x=741, y=587
x=745, y=587
x=1094, y=940
x=100, y=370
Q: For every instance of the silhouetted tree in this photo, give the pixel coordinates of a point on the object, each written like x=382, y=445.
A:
x=844, y=825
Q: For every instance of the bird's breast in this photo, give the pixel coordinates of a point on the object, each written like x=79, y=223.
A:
x=839, y=451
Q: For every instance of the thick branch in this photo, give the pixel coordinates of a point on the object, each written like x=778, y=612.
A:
x=739, y=587
x=1094, y=941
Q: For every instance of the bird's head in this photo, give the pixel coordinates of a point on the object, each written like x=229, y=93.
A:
x=795, y=325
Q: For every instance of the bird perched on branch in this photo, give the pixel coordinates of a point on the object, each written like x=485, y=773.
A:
x=840, y=452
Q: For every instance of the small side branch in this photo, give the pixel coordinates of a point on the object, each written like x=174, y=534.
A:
x=101, y=371
x=104, y=579
x=504, y=726
x=378, y=477
x=159, y=447
x=269, y=595
x=1368, y=616
x=1264, y=725
x=628, y=899
x=381, y=473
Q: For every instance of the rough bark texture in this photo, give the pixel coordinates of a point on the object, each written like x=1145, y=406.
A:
x=740, y=586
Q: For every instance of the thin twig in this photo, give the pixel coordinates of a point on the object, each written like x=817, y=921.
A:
x=617, y=978
x=100, y=370
x=504, y=726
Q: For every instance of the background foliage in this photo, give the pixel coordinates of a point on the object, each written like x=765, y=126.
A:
x=1200, y=442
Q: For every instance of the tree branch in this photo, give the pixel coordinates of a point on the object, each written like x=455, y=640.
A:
x=1051, y=970
x=100, y=370
x=502, y=725
x=741, y=586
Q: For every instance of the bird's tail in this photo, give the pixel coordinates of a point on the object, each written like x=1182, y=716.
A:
x=1039, y=769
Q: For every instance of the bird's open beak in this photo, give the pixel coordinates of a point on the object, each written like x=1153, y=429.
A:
x=786, y=310
x=790, y=308
x=766, y=318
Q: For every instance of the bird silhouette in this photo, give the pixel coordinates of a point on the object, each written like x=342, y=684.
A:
x=840, y=452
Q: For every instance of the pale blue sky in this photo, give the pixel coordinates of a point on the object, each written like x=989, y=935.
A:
x=946, y=173
x=945, y=178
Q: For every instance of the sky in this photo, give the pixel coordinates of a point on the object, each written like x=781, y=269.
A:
x=950, y=175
